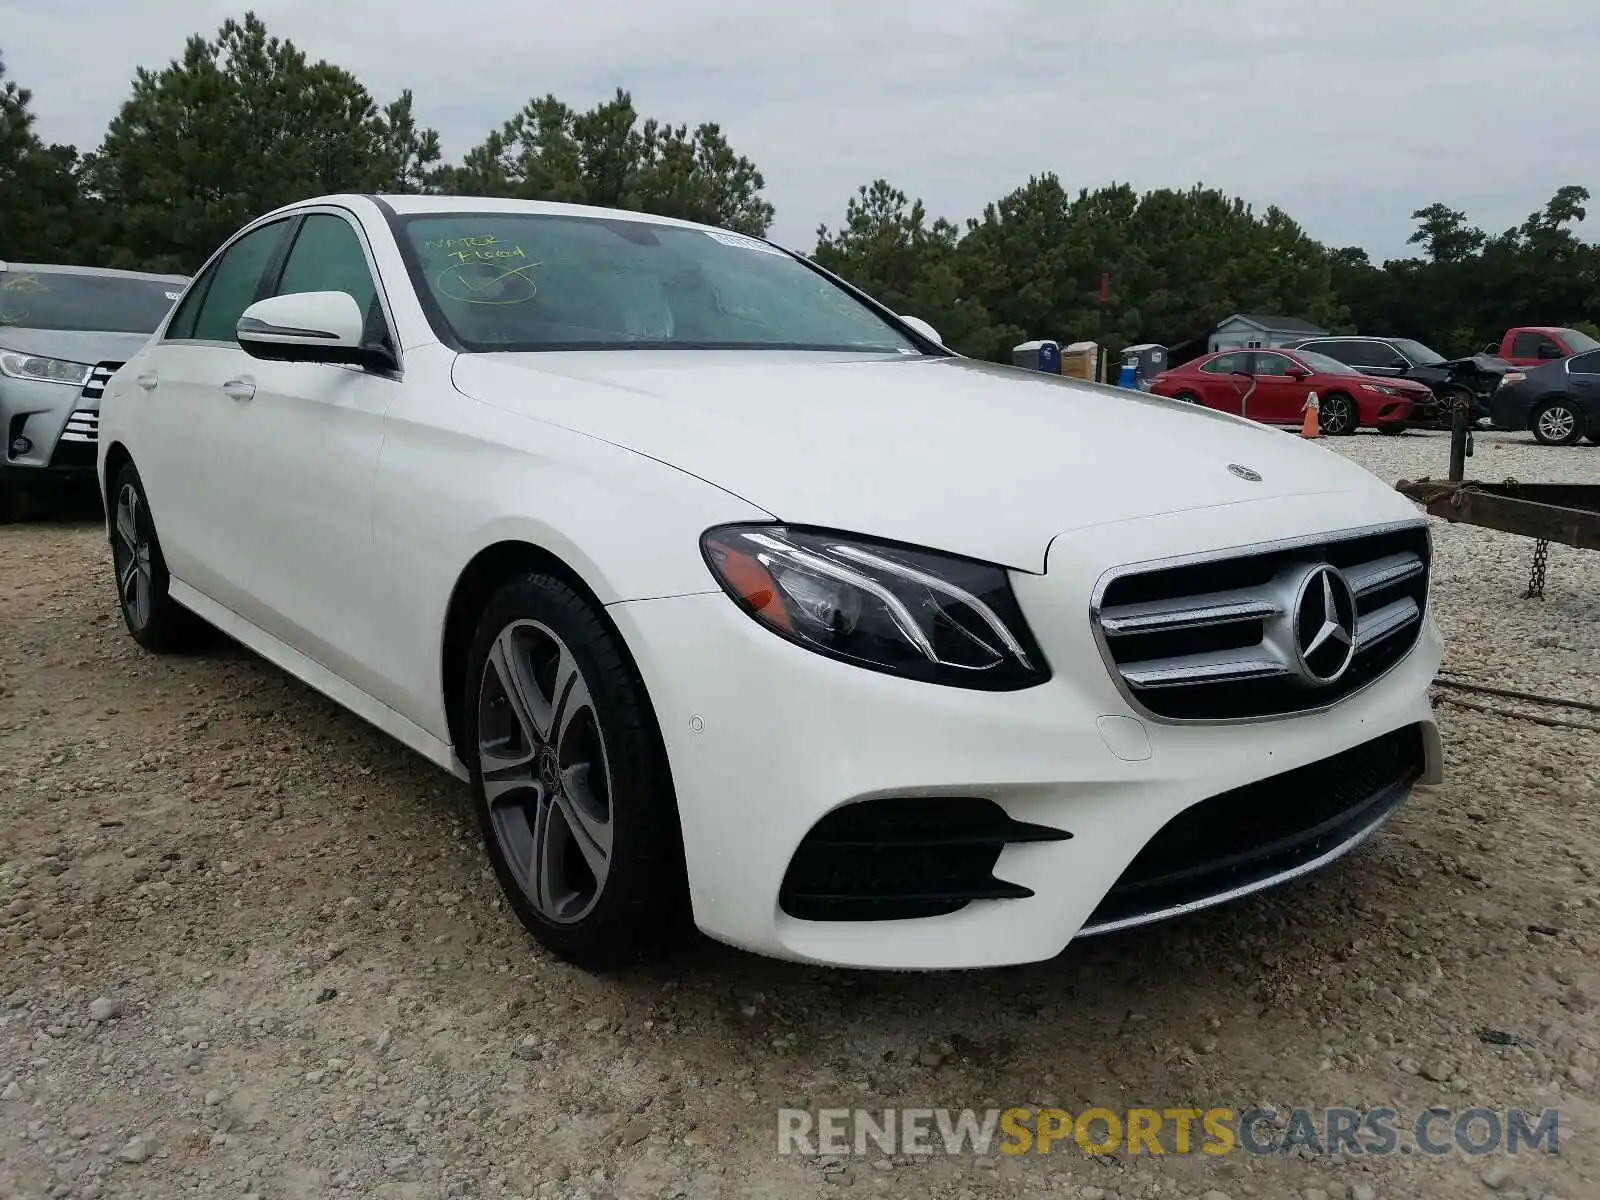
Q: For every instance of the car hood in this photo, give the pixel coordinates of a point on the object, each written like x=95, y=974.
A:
x=968, y=457
x=1408, y=387
x=73, y=345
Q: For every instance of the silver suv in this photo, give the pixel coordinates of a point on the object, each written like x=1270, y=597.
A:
x=63, y=332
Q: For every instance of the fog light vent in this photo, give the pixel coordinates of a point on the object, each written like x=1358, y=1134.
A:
x=903, y=857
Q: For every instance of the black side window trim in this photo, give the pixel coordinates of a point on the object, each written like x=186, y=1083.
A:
x=267, y=286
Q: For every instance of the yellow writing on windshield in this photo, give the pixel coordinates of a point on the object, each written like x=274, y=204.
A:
x=481, y=281
x=460, y=243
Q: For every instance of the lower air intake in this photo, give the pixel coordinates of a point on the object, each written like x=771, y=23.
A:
x=1266, y=830
x=904, y=857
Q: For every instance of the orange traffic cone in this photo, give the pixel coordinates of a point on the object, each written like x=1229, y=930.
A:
x=1310, y=424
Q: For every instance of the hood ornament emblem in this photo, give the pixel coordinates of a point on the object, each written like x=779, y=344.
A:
x=1244, y=473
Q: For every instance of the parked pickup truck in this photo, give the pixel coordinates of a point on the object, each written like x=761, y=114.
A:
x=1530, y=345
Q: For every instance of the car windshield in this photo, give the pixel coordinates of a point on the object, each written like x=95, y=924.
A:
x=64, y=300
x=1419, y=354
x=527, y=281
x=1579, y=341
x=1323, y=365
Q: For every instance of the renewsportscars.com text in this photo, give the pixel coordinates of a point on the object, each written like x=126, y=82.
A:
x=1261, y=1131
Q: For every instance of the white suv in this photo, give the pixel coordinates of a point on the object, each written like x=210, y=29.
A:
x=744, y=604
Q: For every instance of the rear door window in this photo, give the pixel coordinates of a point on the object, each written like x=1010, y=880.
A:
x=1228, y=364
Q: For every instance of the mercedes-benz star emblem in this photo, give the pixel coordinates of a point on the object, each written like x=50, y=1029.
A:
x=1244, y=473
x=1324, y=625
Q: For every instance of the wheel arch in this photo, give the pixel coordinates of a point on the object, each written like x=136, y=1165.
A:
x=492, y=567
x=1565, y=399
x=117, y=457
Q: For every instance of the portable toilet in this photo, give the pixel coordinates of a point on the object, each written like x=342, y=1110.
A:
x=1081, y=360
x=1141, y=364
x=1038, y=356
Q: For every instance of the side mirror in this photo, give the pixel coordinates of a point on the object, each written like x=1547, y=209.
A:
x=319, y=327
x=1299, y=373
x=1548, y=351
x=922, y=327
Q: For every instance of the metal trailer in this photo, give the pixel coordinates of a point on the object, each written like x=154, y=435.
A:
x=1568, y=513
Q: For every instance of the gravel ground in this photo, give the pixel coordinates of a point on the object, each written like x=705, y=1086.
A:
x=249, y=947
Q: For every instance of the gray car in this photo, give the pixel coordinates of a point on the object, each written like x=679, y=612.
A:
x=63, y=332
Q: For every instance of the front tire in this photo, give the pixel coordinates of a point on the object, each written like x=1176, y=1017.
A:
x=1187, y=398
x=570, y=778
x=1337, y=416
x=1556, y=423
x=156, y=621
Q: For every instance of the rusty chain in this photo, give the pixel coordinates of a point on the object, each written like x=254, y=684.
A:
x=1541, y=558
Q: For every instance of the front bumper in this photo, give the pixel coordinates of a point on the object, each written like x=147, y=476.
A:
x=50, y=430
x=1380, y=410
x=765, y=739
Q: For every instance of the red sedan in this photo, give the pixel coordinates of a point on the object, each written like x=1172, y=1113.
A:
x=1271, y=386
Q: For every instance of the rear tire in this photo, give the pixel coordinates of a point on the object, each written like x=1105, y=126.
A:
x=157, y=622
x=1337, y=415
x=1556, y=423
x=571, y=781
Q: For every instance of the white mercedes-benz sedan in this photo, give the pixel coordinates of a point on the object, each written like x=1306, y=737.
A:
x=744, y=604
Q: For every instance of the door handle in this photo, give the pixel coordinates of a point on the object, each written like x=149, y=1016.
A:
x=239, y=389
x=148, y=382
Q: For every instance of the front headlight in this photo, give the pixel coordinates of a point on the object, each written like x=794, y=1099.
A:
x=43, y=370
x=1379, y=388
x=916, y=613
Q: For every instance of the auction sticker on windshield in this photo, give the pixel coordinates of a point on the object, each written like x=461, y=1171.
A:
x=739, y=242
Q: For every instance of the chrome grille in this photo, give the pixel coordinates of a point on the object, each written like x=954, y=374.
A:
x=1263, y=632
x=82, y=426
x=99, y=376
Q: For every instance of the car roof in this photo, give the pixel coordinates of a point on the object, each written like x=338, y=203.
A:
x=98, y=272
x=1341, y=337
x=413, y=205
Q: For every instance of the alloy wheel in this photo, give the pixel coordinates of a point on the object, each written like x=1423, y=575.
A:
x=1556, y=423
x=1335, y=416
x=546, y=776
x=131, y=555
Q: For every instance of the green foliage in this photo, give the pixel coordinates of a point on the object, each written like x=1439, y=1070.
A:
x=234, y=128
x=606, y=157
x=887, y=249
x=40, y=209
x=1030, y=266
x=1470, y=288
x=244, y=123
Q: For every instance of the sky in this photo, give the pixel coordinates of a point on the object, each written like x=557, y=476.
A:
x=1347, y=115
